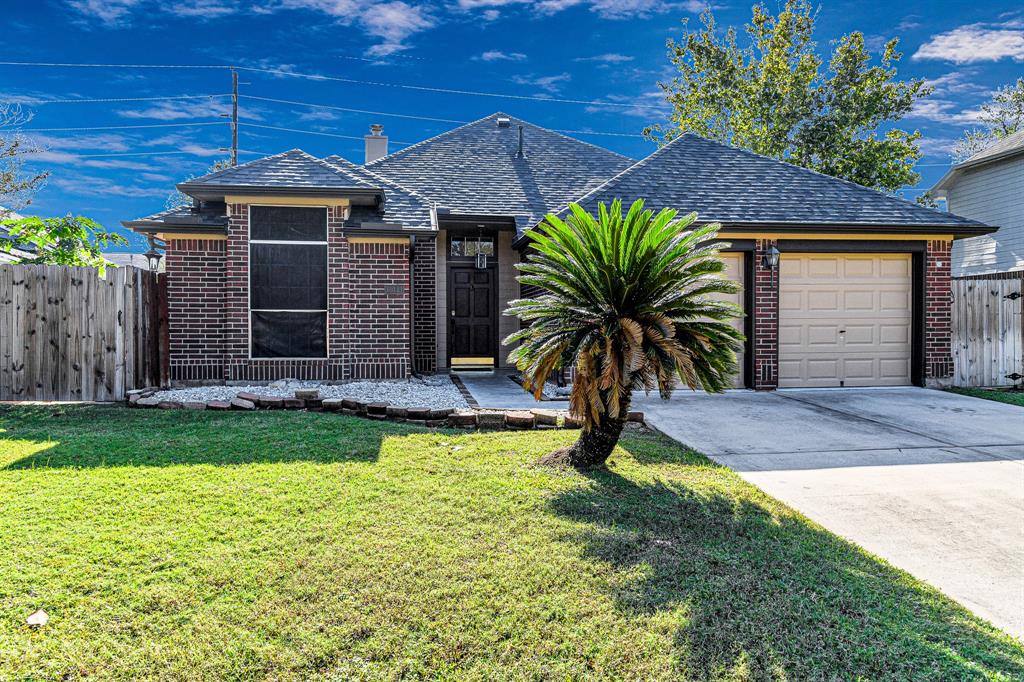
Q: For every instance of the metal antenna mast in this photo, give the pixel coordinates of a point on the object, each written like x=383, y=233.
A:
x=234, y=117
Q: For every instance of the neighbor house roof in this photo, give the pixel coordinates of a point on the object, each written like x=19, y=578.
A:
x=1006, y=148
x=475, y=169
x=739, y=188
x=295, y=171
x=14, y=254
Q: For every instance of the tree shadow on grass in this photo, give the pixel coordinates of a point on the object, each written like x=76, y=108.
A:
x=59, y=436
x=763, y=593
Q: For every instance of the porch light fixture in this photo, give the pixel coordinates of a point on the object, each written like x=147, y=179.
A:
x=771, y=261
x=481, y=257
x=153, y=257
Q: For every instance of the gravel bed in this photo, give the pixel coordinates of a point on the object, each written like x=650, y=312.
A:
x=434, y=392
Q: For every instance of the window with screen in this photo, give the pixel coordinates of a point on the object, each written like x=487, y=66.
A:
x=288, y=282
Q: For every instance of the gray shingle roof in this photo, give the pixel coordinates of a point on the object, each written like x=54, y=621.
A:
x=294, y=168
x=401, y=205
x=182, y=216
x=473, y=169
x=737, y=187
x=1007, y=146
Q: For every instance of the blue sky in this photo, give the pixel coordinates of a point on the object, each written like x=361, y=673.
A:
x=392, y=57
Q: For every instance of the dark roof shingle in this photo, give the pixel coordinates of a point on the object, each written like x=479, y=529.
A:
x=734, y=186
x=401, y=205
x=294, y=168
x=474, y=169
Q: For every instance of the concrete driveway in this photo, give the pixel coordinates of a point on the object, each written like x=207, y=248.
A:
x=933, y=482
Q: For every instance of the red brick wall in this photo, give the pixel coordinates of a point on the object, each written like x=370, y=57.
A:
x=378, y=310
x=766, y=319
x=938, y=296
x=368, y=319
x=195, y=309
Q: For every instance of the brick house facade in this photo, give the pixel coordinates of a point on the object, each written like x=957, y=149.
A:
x=420, y=263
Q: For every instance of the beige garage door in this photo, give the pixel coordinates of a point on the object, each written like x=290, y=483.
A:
x=844, y=320
x=734, y=270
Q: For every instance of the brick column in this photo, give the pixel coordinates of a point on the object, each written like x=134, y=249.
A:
x=424, y=302
x=236, y=291
x=938, y=296
x=766, y=319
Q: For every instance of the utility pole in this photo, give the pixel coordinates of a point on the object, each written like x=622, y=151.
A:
x=234, y=117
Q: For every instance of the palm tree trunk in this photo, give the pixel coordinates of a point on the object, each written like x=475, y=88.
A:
x=594, y=446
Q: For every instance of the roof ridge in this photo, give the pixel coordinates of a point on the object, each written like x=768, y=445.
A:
x=380, y=177
x=222, y=171
x=430, y=139
x=624, y=171
x=912, y=205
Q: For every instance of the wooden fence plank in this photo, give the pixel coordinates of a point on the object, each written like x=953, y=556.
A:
x=6, y=337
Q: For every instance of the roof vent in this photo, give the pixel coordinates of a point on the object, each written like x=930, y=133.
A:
x=504, y=122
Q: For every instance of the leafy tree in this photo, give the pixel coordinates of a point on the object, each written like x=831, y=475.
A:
x=71, y=240
x=1000, y=117
x=176, y=198
x=16, y=185
x=773, y=97
x=627, y=301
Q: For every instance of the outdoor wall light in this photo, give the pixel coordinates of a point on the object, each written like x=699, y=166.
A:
x=771, y=261
x=153, y=256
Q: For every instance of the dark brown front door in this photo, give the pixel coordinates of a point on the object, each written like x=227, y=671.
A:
x=471, y=306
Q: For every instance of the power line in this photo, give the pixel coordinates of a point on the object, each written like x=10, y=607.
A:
x=354, y=111
x=338, y=79
x=123, y=99
x=152, y=153
x=130, y=127
x=311, y=132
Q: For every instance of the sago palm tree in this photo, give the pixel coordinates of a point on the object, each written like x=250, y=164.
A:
x=629, y=302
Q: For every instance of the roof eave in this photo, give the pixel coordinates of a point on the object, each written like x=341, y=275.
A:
x=209, y=191
x=154, y=227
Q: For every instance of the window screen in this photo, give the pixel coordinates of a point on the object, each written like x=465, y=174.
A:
x=289, y=334
x=288, y=277
x=288, y=282
x=288, y=223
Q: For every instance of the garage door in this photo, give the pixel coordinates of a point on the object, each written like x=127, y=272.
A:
x=734, y=270
x=844, y=320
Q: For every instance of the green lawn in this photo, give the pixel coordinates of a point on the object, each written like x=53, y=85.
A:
x=1011, y=397
x=288, y=545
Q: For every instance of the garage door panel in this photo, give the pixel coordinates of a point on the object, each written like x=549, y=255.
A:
x=844, y=319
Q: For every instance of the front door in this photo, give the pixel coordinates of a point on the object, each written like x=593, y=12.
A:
x=472, y=321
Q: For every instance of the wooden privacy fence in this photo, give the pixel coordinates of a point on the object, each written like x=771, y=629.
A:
x=988, y=336
x=68, y=334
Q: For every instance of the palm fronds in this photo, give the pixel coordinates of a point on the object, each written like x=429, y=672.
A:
x=630, y=302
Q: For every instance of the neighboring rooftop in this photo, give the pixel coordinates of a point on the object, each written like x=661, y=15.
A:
x=739, y=188
x=292, y=170
x=1006, y=148
x=476, y=170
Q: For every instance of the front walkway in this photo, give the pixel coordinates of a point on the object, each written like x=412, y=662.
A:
x=496, y=390
x=933, y=482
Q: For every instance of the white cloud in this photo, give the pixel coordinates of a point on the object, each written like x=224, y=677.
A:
x=91, y=186
x=608, y=9
x=176, y=110
x=608, y=58
x=110, y=12
x=943, y=111
x=975, y=43
x=394, y=22
x=956, y=82
x=647, y=105
x=498, y=56
x=316, y=115
x=490, y=15
x=549, y=84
